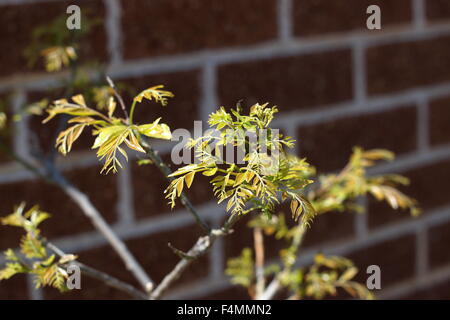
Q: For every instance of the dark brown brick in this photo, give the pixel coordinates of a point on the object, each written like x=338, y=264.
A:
x=437, y=10
x=436, y=291
x=291, y=83
x=19, y=21
x=438, y=237
x=181, y=111
x=231, y=293
x=67, y=218
x=380, y=213
x=440, y=121
x=171, y=27
x=329, y=145
x=395, y=257
x=428, y=185
x=401, y=66
x=330, y=227
x=149, y=185
x=314, y=17
x=10, y=235
x=15, y=288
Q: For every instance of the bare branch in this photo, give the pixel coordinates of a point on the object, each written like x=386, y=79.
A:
x=202, y=246
x=99, y=275
x=273, y=288
x=102, y=226
x=164, y=168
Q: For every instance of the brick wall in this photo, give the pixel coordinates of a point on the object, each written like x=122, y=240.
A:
x=336, y=84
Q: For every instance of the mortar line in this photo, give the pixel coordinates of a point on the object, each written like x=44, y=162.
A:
x=284, y=19
x=113, y=30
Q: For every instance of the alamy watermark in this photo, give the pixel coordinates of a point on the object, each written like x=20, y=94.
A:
x=73, y=21
x=374, y=20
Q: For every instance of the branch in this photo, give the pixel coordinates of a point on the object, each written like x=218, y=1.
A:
x=164, y=168
x=55, y=177
x=99, y=275
x=102, y=226
x=202, y=245
x=271, y=290
x=275, y=285
x=119, y=98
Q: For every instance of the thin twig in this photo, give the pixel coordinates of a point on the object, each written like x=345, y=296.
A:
x=119, y=98
x=202, y=245
x=164, y=168
x=259, y=260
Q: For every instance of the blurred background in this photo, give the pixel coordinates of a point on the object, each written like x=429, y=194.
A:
x=336, y=84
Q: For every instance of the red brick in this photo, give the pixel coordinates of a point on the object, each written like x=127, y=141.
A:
x=181, y=111
x=440, y=121
x=439, y=236
x=19, y=21
x=329, y=145
x=171, y=27
x=405, y=65
x=315, y=17
x=67, y=218
x=395, y=257
x=428, y=185
x=231, y=293
x=437, y=10
x=15, y=288
x=292, y=83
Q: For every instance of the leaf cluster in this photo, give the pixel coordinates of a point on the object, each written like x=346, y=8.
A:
x=33, y=257
x=257, y=180
x=112, y=133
